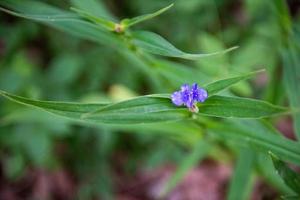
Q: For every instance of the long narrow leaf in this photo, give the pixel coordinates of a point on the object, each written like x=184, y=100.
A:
x=156, y=44
x=291, y=178
x=145, y=109
x=235, y=107
x=154, y=108
x=268, y=172
x=70, y=110
x=130, y=22
x=62, y=20
x=38, y=17
x=220, y=85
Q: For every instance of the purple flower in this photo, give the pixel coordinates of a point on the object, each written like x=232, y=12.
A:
x=189, y=96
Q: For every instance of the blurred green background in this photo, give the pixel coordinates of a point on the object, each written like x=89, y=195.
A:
x=47, y=157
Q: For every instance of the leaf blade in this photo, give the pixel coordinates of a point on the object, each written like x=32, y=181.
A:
x=149, y=109
x=144, y=109
x=156, y=44
x=291, y=178
x=237, y=107
x=159, y=110
x=69, y=110
x=60, y=19
x=130, y=22
x=291, y=73
x=266, y=169
x=220, y=85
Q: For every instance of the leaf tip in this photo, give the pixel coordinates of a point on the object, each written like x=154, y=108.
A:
x=171, y=5
x=232, y=48
x=168, y=7
x=164, y=9
x=261, y=70
x=2, y=92
x=257, y=72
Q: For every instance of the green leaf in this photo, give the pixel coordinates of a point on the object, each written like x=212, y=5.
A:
x=220, y=85
x=155, y=108
x=70, y=110
x=62, y=20
x=130, y=22
x=75, y=26
x=267, y=171
x=54, y=14
x=107, y=24
x=241, y=180
x=283, y=15
x=156, y=44
x=258, y=138
x=236, y=107
x=144, y=109
x=291, y=178
x=152, y=108
x=199, y=152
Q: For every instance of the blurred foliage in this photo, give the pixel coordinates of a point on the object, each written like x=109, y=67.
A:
x=40, y=62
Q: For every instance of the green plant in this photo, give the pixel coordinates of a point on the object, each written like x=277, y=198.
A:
x=243, y=124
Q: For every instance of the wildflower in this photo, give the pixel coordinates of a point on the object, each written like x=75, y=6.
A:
x=189, y=96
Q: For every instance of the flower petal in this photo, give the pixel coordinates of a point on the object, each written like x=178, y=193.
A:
x=189, y=103
x=177, y=98
x=195, y=92
x=186, y=95
x=185, y=87
x=202, y=95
